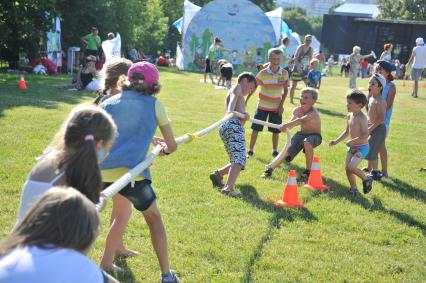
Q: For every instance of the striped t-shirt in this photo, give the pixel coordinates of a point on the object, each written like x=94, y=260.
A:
x=271, y=88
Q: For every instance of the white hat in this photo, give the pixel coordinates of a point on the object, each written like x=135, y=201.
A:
x=380, y=78
x=420, y=41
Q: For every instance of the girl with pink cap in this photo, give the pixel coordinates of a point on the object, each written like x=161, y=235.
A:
x=137, y=113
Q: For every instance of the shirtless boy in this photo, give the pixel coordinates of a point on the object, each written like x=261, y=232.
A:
x=307, y=138
x=357, y=128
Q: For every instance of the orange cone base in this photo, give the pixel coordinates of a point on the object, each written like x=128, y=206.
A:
x=282, y=203
x=320, y=188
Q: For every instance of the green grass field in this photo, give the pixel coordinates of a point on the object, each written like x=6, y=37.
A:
x=336, y=237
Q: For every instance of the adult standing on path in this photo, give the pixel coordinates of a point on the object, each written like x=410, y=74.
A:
x=354, y=64
x=92, y=42
x=215, y=54
x=286, y=58
x=418, y=60
x=302, y=58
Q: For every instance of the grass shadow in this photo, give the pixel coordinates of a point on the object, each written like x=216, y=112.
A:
x=331, y=113
x=341, y=191
x=42, y=92
x=250, y=195
x=404, y=188
x=126, y=276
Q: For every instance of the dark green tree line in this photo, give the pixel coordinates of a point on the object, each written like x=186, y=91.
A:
x=145, y=24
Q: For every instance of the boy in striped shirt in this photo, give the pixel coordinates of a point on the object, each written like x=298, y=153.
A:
x=273, y=82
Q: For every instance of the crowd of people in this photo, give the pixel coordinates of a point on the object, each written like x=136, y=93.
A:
x=87, y=155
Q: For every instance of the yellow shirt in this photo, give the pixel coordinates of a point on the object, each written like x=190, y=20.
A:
x=271, y=88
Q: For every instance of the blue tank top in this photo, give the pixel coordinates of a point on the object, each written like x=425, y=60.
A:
x=134, y=115
x=385, y=93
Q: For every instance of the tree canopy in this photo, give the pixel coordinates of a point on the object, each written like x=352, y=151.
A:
x=145, y=24
x=403, y=9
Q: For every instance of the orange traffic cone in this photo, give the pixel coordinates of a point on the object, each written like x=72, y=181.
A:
x=22, y=84
x=315, y=179
x=424, y=85
x=290, y=195
x=404, y=83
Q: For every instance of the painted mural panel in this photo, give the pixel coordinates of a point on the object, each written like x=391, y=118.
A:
x=245, y=31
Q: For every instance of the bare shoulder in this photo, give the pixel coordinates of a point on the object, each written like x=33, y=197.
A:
x=297, y=111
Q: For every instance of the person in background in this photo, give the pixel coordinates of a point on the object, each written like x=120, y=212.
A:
x=387, y=52
x=354, y=64
x=364, y=68
x=92, y=42
x=417, y=62
x=286, y=58
x=330, y=63
x=302, y=59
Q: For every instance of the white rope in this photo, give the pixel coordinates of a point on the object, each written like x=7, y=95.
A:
x=280, y=158
x=133, y=173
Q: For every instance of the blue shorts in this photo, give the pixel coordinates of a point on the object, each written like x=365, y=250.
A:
x=359, y=151
x=272, y=117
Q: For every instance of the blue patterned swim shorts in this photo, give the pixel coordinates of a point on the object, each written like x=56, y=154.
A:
x=232, y=134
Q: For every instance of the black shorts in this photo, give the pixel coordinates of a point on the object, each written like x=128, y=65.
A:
x=226, y=72
x=88, y=52
x=141, y=195
x=272, y=117
x=298, y=141
x=208, y=68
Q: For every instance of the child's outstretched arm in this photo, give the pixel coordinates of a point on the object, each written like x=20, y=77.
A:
x=296, y=121
x=168, y=139
x=342, y=136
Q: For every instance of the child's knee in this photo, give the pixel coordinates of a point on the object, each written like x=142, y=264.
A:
x=307, y=144
x=152, y=215
x=350, y=168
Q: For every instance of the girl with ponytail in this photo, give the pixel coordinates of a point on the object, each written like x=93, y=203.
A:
x=113, y=73
x=73, y=157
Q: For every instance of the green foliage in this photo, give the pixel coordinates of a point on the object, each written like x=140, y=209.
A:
x=299, y=22
x=145, y=24
x=22, y=25
x=403, y=9
x=149, y=27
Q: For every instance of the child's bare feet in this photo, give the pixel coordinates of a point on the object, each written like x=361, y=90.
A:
x=127, y=253
x=111, y=268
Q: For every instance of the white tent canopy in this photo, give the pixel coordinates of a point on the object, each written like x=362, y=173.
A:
x=189, y=11
x=276, y=21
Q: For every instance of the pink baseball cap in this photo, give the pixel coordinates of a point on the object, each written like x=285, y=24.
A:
x=147, y=70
